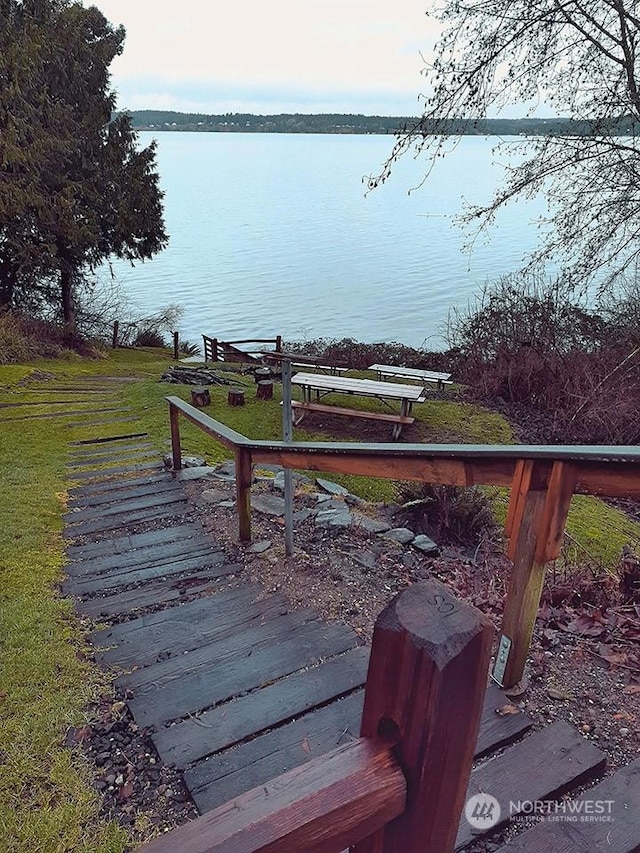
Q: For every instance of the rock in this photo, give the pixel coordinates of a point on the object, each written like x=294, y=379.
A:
x=202, y=473
x=333, y=513
x=321, y=497
x=227, y=469
x=193, y=462
x=228, y=504
x=268, y=504
x=426, y=545
x=402, y=535
x=260, y=547
x=213, y=496
x=332, y=488
x=302, y=514
x=373, y=525
x=298, y=479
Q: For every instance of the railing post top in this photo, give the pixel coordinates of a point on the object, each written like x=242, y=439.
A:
x=434, y=620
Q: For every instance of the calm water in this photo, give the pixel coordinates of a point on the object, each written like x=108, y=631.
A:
x=273, y=234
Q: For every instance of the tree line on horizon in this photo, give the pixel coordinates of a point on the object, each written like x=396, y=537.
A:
x=368, y=124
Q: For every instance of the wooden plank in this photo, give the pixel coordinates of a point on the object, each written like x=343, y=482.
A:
x=103, y=422
x=127, y=482
x=175, y=507
x=128, y=577
x=355, y=413
x=227, y=724
x=576, y=828
x=107, y=439
x=497, y=730
x=65, y=414
x=127, y=492
x=115, y=471
x=230, y=598
x=132, y=541
x=231, y=646
x=187, y=628
x=232, y=772
x=543, y=766
x=127, y=504
x=328, y=804
x=204, y=582
x=243, y=493
x=103, y=451
x=167, y=552
x=125, y=456
x=559, y=492
x=202, y=690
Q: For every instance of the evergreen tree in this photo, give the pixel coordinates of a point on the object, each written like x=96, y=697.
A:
x=74, y=187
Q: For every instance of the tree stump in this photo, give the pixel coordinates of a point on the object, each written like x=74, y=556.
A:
x=235, y=397
x=264, y=390
x=200, y=397
x=262, y=374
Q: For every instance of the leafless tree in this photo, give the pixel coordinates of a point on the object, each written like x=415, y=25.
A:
x=579, y=58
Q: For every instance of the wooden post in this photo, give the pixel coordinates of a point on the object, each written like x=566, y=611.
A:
x=535, y=524
x=279, y=343
x=426, y=683
x=114, y=342
x=264, y=390
x=176, y=453
x=235, y=397
x=243, y=493
x=287, y=435
x=176, y=346
x=214, y=349
x=200, y=397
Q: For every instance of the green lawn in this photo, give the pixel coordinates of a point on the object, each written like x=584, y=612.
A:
x=46, y=684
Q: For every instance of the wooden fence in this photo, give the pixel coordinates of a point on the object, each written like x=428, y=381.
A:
x=401, y=787
x=218, y=350
x=542, y=480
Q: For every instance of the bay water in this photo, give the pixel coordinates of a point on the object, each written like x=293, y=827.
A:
x=276, y=234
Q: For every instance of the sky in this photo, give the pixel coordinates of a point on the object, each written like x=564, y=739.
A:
x=307, y=56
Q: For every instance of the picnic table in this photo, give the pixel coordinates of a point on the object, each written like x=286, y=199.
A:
x=306, y=361
x=321, y=385
x=424, y=376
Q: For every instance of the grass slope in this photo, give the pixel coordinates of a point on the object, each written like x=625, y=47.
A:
x=46, y=684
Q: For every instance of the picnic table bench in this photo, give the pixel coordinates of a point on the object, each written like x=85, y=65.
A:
x=331, y=367
x=424, y=376
x=312, y=383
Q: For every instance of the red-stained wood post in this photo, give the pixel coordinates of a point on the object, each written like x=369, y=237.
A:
x=176, y=452
x=538, y=509
x=426, y=682
x=278, y=343
x=243, y=493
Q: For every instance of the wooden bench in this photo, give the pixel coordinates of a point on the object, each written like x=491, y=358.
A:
x=389, y=417
x=330, y=368
x=417, y=374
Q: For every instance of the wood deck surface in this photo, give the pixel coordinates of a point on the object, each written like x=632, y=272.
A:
x=235, y=685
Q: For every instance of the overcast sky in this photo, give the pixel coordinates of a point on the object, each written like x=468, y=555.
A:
x=218, y=56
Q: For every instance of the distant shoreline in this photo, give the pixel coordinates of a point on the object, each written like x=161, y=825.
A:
x=336, y=123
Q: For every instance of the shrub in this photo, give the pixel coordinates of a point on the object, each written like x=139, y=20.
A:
x=149, y=338
x=451, y=515
x=359, y=356
x=25, y=339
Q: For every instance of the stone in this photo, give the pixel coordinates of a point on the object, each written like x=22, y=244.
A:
x=298, y=479
x=260, y=547
x=303, y=514
x=187, y=461
x=268, y=504
x=332, y=488
x=227, y=504
x=202, y=473
x=213, y=496
x=333, y=514
x=228, y=469
x=426, y=545
x=373, y=525
x=402, y=535
x=321, y=497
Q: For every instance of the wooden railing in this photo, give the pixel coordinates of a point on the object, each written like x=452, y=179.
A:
x=542, y=480
x=218, y=350
x=399, y=788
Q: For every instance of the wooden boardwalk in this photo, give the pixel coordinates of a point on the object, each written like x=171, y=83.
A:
x=236, y=686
